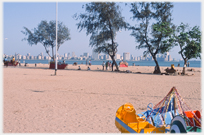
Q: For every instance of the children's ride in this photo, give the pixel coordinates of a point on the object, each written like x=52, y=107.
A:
x=10, y=63
x=171, y=114
x=127, y=121
x=59, y=65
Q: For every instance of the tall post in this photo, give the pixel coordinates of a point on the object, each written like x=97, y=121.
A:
x=56, y=43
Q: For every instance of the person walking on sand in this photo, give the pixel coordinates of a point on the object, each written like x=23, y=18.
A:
x=103, y=64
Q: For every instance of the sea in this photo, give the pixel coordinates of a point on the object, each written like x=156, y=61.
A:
x=130, y=63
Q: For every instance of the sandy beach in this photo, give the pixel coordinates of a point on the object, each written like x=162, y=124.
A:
x=36, y=101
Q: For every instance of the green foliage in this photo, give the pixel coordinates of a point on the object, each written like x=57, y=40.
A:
x=189, y=41
x=152, y=37
x=101, y=21
x=154, y=27
x=45, y=34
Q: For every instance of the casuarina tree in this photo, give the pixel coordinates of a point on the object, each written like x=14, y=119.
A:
x=102, y=21
x=153, y=28
x=189, y=41
x=45, y=34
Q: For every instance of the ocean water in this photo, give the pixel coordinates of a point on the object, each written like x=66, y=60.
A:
x=130, y=63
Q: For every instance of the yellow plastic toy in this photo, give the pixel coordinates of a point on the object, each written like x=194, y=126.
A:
x=127, y=121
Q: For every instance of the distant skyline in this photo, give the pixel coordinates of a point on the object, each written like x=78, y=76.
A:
x=17, y=15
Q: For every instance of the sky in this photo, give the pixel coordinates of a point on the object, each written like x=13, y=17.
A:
x=17, y=15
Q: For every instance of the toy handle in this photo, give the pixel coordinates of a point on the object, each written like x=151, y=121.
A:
x=150, y=108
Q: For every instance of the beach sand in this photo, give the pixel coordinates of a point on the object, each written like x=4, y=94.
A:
x=36, y=101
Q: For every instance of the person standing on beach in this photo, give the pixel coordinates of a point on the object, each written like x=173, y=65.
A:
x=13, y=60
x=106, y=65
x=188, y=64
x=19, y=62
x=5, y=59
x=109, y=65
x=103, y=64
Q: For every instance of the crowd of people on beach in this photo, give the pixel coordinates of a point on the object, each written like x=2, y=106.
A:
x=108, y=65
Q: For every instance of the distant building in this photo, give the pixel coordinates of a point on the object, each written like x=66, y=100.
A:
x=126, y=56
x=32, y=57
x=95, y=55
x=121, y=57
x=169, y=58
x=131, y=57
x=136, y=59
x=45, y=57
x=65, y=55
x=22, y=57
x=86, y=55
x=18, y=56
x=39, y=57
x=101, y=57
x=73, y=54
x=117, y=56
x=41, y=54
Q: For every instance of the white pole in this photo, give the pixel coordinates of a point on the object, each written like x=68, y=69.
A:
x=56, y=43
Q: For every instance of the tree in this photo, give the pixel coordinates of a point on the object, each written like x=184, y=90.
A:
x=102, y=21
x=189, y=41
x=155, y=26
x=45, y=34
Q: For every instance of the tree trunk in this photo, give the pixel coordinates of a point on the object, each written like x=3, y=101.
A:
x=114, y=63
x=157, y=68
x=184, y=67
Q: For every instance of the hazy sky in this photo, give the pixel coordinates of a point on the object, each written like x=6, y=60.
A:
x=17, y=15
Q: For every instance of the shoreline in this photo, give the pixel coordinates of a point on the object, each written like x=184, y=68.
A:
x=145, y=69
x=137, y=63
x=43, y=65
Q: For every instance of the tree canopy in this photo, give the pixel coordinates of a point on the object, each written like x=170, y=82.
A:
x=102, y=21
x=154, y=27
x=189, y=41
x=45, y=34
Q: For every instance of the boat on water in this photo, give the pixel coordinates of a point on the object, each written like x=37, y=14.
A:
x=59, y=65
x=170, y=115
